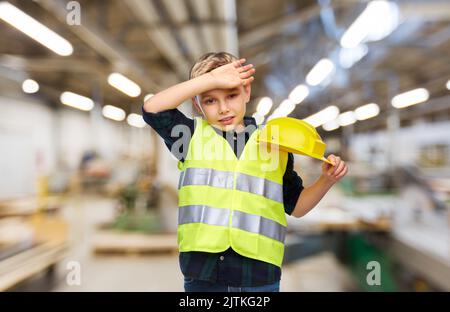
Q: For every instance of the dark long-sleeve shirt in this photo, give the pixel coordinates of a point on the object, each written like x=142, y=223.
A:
x=228, y=267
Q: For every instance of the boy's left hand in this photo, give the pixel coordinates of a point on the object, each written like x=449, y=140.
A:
x=336, y=172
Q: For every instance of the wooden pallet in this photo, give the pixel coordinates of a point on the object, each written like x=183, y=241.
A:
x=117, y=242
x=380, y=225
x=28, y=206
x=28, y=263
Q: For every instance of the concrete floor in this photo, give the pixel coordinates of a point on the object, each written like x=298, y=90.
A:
x=156, y=272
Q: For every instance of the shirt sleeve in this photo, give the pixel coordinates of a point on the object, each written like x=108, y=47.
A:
x=164, y=122
x=292, y=186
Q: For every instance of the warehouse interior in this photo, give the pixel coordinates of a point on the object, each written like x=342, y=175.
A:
x=88, y=191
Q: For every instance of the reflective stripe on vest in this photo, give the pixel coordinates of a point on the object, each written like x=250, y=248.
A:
x=203, y=214
x=224, y=179
x=206, y=176
x=257, y=224
x=241, y=220
x=259, y=186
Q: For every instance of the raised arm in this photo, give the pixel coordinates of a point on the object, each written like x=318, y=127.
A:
x=174, y=96
x=226, y=76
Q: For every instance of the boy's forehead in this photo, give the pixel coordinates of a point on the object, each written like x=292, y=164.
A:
x=218, y=92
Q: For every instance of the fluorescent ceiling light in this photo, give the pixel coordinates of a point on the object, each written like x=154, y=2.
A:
x=331, y=125
x=346, y=118
x=323, y=116
x=76, y=101
x=113, y=112
x=350, y=56
x=388, y=13
x=123, y=84
x=286, y=107
x=34, y=29
x=148, y=96
x=299, y=93
x=264, y=106
x=367, y=111
x=376, y=22
x=409, y=98
x=258, y=118
x=275, y=114
x=136, y=120
x=30, y=86
x=320, y=72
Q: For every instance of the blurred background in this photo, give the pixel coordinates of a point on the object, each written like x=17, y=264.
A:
x=88, y=192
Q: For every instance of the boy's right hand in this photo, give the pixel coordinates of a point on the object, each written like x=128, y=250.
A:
x=232, y=75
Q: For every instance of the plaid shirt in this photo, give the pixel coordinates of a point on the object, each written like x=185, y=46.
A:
x=228, y=267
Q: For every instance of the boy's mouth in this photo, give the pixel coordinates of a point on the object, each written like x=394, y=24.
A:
x=227, y=120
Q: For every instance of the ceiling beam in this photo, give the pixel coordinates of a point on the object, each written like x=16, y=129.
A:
x=103, y=44
x=202, y=12
x=160, y=36
x=179, y=15
x=226, y=11
x=260, y=34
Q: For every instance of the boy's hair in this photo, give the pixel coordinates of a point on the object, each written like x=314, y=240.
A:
x=209, y=62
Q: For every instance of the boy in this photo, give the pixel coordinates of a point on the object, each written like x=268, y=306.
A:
x=232, y=214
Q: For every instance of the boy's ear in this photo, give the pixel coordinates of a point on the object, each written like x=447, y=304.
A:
x=196, y=105
x=247, y=91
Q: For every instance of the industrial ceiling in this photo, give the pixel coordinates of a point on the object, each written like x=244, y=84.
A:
x=154, y=43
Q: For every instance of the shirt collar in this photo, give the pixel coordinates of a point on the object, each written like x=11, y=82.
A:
x=249, y=121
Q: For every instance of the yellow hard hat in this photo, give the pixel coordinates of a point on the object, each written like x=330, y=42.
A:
x=294, y=136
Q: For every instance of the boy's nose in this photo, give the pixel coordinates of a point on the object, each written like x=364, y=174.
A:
x=223, y=108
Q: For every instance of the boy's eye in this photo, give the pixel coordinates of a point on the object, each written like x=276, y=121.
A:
x=209, y=101
x=232, y=95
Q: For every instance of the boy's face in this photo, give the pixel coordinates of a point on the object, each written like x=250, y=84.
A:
x=224, y=108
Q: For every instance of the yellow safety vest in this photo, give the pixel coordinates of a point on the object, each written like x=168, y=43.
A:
x=225, y=201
